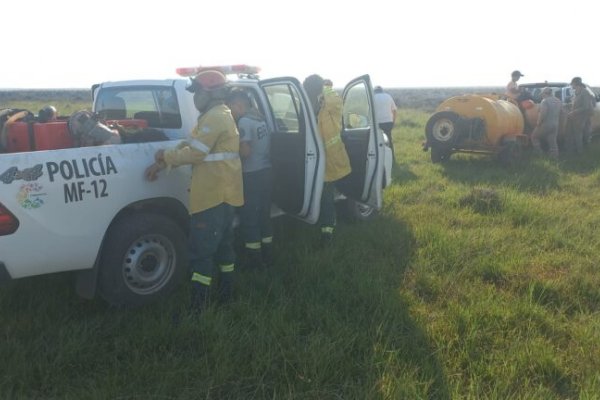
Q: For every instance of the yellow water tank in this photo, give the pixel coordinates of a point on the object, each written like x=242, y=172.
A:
x=501, y=117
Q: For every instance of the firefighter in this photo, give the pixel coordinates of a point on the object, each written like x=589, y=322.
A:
x=216, y=187
x=327, y=105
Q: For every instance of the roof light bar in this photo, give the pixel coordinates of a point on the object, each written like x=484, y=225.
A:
x=225, y=69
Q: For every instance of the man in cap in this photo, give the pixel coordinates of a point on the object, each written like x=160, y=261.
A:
x=580, y=114
x=512, y=88
x=547, y=123
x=216, y=188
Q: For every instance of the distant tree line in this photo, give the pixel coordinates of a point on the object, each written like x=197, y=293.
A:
x=418, y=98
x=51, y=95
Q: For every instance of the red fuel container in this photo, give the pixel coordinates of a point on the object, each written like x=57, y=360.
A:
x=28, y=136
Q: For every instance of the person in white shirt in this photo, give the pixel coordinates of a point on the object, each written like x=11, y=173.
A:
x=512, y=88
x=385, y=112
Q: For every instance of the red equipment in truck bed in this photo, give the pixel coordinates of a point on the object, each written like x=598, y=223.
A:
x=29, y=136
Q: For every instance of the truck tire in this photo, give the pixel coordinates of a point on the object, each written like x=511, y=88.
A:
x=354, y=211
x=143, y=259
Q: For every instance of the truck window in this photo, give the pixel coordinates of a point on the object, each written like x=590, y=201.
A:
x=285, y=107
x=156, y=104
x=357, y=114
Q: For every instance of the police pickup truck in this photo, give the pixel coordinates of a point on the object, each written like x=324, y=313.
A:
x=90, y=210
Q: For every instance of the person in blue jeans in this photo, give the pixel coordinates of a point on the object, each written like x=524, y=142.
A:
x=255, y=148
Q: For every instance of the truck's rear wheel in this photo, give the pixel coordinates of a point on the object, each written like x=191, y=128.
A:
x=143, y=259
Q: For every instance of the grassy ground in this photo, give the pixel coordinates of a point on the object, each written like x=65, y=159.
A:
x=476, y=281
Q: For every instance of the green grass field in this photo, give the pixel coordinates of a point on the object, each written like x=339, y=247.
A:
x=64, y=107
x=476, y=281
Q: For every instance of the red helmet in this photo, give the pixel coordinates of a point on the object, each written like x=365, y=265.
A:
x=209, y=80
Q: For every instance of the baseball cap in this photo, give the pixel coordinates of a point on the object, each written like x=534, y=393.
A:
x=576, y=81
x=516, y=73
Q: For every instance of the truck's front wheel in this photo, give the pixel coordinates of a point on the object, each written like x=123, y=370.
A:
x=144, y=258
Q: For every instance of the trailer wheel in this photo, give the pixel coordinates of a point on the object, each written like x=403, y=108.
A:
x=442, y=129
x=143, y=259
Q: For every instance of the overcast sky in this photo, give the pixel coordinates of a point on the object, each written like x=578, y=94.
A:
x=422, y=43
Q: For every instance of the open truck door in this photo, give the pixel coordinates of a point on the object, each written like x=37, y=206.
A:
x=364, y=144
x=297, y=154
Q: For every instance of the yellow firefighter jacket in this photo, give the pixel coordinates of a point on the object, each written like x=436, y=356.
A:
x=337, y=163
x=213, y=151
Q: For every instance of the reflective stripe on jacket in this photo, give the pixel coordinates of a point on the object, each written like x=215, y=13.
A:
x=213, y=152
x=337, y=163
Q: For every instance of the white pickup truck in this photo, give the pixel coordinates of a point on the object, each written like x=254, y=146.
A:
x=90, y=210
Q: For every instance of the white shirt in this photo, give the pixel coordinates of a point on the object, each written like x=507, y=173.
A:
x=384, y=107
x=512, y=90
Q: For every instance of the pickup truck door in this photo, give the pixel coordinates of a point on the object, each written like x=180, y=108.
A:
x=364, y=143
x=297, y=153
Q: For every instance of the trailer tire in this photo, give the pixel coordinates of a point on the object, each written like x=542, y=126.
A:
x=442, y=129
x=143, y=259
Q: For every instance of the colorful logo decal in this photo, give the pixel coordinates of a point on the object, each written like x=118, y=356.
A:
x=30, y=195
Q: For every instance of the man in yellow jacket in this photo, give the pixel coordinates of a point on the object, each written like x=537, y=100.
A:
x=216, y=187
x=328, y=106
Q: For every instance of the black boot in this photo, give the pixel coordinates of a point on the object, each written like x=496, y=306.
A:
x=267, y=254
x=225, y=287
x=253, y=259
x=326, y=240
x=200, y=298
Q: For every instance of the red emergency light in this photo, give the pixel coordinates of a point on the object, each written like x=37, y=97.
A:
x=225, y=69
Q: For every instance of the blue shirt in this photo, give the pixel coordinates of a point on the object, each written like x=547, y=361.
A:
x=253, y=130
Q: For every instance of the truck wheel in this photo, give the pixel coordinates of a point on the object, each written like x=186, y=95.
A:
x=143, y=259
x=354, y=211
x=442, y=129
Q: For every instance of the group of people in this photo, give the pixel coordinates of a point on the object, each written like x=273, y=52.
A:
x=229, y=150
x=548, y=122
